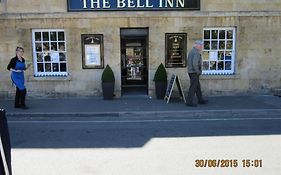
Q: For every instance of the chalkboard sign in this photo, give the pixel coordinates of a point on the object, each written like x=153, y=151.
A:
x=174, y=79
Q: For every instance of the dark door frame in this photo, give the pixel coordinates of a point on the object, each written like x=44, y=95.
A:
x=131, y=33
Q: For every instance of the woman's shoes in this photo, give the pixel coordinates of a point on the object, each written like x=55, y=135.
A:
x=22, y=106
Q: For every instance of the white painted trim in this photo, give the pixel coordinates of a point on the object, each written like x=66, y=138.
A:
x=46, y=74
x=233, y=50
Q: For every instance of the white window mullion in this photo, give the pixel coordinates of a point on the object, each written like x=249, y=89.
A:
x=34, y=54
x=234, y=50
x=222, y=65
x=51, y=56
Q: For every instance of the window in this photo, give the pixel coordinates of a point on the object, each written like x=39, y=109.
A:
x=218, y=54
x=49, y=53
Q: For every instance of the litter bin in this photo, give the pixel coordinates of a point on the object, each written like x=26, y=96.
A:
x=5, y=146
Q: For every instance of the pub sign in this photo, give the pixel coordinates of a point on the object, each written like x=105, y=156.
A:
x=132, y=5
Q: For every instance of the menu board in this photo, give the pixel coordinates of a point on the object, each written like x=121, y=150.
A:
x=175, y=48
x=92, y=51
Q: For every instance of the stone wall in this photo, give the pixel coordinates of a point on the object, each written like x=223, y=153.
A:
x=258, y=65
x=240, y=5
x=36, y=6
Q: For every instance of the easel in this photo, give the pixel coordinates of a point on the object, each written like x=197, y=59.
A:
x=174, y=79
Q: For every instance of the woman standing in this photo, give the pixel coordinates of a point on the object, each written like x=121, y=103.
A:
x=17, y=67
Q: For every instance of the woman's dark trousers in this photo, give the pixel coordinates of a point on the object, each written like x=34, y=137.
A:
x=20, y=98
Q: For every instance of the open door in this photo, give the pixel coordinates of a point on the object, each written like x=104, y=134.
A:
x=134, y=61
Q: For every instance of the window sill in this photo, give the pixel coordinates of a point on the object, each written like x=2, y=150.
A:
x=220, y=77
x=49, y=78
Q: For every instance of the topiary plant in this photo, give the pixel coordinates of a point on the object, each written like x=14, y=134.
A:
x=160, y=74
x=107, y=75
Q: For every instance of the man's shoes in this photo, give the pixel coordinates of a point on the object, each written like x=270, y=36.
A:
x=17, y=106
x=191, y=104
x=24, y=107
x=203, y=102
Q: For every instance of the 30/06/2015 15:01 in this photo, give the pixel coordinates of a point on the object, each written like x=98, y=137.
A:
x=228, y=163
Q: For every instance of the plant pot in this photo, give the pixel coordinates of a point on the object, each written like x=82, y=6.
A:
x=108, y=90
x=160, y=88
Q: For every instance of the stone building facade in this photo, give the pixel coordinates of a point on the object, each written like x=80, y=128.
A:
x=242, y=40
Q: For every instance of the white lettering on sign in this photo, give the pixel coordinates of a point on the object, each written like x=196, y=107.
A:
x=133, y=3
x=84, y=4
x=93, y=2
x=105, y=4
x=139, y=4
x=147, y=4
x=97, y=4
x=161, y=3
x=121, y=3
x=170, y=3
x=181, y=2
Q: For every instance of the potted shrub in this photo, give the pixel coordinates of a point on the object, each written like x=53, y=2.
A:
x=108, y=81
x=160, y=79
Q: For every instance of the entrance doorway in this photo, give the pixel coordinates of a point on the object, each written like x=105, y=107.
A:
x=134, y=61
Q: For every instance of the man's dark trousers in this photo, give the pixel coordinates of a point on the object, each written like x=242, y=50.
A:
x=194, y=88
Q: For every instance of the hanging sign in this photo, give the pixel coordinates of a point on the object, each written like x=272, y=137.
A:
x=132, y=5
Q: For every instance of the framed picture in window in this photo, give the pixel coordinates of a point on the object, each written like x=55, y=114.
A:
x=92, y=51
x=175, y=50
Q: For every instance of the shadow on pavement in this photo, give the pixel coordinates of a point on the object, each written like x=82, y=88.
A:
x=130, y=134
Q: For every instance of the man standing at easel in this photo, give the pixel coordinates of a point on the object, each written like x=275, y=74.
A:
x=194, y=62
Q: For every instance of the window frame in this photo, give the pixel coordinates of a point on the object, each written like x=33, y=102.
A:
x=50, y=41
x=218, y=39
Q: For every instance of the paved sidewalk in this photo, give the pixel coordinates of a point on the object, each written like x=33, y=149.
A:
x=143, y=106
